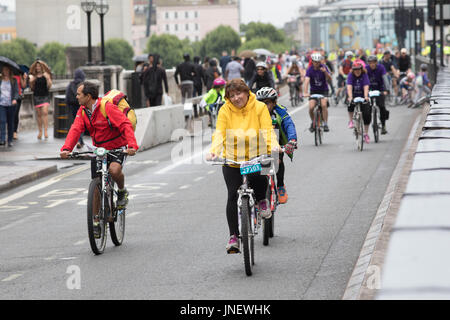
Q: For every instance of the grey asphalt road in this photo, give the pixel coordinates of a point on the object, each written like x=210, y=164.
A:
x=176, y=228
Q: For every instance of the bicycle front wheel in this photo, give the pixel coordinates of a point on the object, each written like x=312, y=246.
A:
x=96, y=218
x=361, y=133
x=246, y=236
x=117, y=227
x=376, y=127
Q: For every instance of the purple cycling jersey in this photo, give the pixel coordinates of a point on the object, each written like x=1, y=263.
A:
x=376, y=77
x=318, y=80
x=358, y=84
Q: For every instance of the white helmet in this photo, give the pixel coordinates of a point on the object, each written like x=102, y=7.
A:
x=316, y=57
x=261, y=65
x=348, y=54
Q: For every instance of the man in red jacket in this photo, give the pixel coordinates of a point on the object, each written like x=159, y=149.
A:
x=113, y=132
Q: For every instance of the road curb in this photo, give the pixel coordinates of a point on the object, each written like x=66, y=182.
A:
x=369, y=264
x=43, y=172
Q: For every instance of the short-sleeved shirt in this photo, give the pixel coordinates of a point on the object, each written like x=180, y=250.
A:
x=318, y=79
x=234, y=69
x=358, y=84
x=387, y=64
x=376, y=77
x=346, y=66
x=6, y=94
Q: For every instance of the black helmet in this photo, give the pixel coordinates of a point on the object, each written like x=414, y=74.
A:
x=372, y=58
x=424, y=67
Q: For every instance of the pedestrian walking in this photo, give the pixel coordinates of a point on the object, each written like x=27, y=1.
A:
x=9, y=94
x=211, y=74
x=234, y=69
x=40, y=84
x=199, y=78
x=250, y=69
x=22, y=81
x=153, y=80
x=71, y=98
x=186, y=71
x=224, y=60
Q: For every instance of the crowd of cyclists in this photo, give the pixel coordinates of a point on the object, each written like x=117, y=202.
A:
x=249, y=108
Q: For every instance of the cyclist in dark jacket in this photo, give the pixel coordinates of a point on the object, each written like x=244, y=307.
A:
x=262, y=78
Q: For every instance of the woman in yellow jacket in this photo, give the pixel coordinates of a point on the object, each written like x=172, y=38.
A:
x=244, y=131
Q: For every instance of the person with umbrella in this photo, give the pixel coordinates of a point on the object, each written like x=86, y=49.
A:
x=40, y=84
x=9, y=94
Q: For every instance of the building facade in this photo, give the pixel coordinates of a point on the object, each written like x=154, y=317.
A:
x=7, y=24
x=353, y=24
x=65, y=22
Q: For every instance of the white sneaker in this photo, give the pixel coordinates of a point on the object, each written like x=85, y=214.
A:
x=264, y=209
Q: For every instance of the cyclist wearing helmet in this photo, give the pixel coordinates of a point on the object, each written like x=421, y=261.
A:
x=316, y=80
x=358, y=86
x=344, y=69
x=262, y=78
x=422, y=82
x=378, y=81
x=392, y=71
x=287, y=133
x=407, y=85
x=215, y=95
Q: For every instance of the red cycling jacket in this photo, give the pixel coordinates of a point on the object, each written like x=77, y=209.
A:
x=115, y=133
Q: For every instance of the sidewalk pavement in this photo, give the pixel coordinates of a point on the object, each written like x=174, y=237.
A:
x=30, y=159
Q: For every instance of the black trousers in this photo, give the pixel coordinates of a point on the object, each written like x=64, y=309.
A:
x=16, y=117
x=366, y=110
x=384, y=113
x=280, y=173
x=233, y=180
x=198, y=90
x=155, y=101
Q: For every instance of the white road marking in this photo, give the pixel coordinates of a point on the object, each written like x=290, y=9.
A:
x=42, y=185
x=18, y=222
x=68, y=259
x=199, y=179
x=12, y=277
x=185, y=187
x=134, y=214
x=211, y=172
x=79, y=243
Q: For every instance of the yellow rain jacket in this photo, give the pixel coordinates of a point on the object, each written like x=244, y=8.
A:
x=243, y=134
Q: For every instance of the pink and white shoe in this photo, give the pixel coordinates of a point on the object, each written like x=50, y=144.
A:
x=350, y=124
x=366, y=138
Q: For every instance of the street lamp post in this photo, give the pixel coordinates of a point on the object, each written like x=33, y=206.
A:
x=102, y=8
x=88, y=7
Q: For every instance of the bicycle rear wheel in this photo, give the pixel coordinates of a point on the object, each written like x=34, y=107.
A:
x=268, y=223
x=317, y=128
x=361, y=133
x=116, y=228
x=97, y=235
x=246, y=236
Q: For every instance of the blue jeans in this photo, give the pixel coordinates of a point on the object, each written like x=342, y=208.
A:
x=7, y=115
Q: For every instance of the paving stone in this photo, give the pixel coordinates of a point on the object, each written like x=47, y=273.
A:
x=433, y=145
x=429, y=182
x=431, y=134
x=424, y=211
x=431, y=160
x=417, y=259
x=436, y=125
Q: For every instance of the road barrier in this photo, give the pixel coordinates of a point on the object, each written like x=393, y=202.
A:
x=418, y=257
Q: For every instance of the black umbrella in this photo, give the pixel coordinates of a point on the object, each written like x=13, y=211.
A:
x=11, y=64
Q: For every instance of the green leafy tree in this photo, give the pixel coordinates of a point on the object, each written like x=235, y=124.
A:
x=19, y=50
x=264, y=30
x=256, y=43
x=170, y=48
x=54, y=54
x=220, y=39
x=119, y=52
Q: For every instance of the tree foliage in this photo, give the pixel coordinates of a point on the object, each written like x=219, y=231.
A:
x=119, y=52
x=19, y=50
x=54, y=54
x=255, y=30
x=170, y=49
x=220, y=39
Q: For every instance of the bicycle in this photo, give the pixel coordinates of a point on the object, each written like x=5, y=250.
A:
x=272, y=196
x=102, y=211
x=358, y=123
x=318, y=117
x=424, y=99
x=214, y=111
x=249, y=220
x=293, y=90
x=373, y=95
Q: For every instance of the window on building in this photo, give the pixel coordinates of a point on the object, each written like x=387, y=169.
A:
x=176, y=27
x=196, y=14
x=187, y=27
x=176, y=15
x=167, y=15
x=186, y=15
x=197, y=38
x=167, y=28
x=196, y=26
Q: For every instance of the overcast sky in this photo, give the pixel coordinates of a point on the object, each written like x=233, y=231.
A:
x=9, y=3
x=277, y=12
